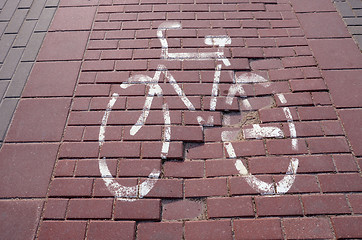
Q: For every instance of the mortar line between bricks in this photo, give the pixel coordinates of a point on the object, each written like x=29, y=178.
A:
x=41, y=219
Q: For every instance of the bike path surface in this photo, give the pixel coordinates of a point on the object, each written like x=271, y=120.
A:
x=51, y=177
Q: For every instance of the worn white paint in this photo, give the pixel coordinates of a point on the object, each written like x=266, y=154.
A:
x=219, y=41
x=233, y=90
x=246, y=104
x=250, y=78
x=259, y=132
x=228, y=136
x=177, y=88
x=292, y=130
x=133, y=192
x=119, y=191
x=202, y=122
x=214, y=91
x=167, y=133
x=282, y=99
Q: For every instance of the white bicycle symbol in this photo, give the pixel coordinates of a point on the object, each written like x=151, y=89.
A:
x=132, y=193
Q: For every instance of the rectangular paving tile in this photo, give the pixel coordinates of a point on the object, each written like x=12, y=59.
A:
x=6, y=42
x=10, y=63
x=45, y=19
x=3, y=88
x=25, y=4
x=323, y=25
x=355, y=4
x=7, y=108
x=2, y=3
x=33, y=162
x=2, y=27
x=336, y=53
x=57, y=46
x=352, y=122
x=39, y=120
x=52, y=3
x=8, y=10
x=353, y=21
x=33, y=46
x=24, y=34
x=344, y=9
x=73, y=18
x=16, y=21
x=18, y=81
x=312, y=6
x=52, y=79
x=345, y=87
x=36, y=9
x=20, y=217
x=355, y=30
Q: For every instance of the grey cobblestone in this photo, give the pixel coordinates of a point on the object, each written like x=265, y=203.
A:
x=36, y=9
x=16, y=21
x=359, y=40
x=52, y=3
x=8, y=10
x=351, y=12
x=33, y=47
x=45, y=19
x=358, y=12
x=25, y=3
x=10, y=63
x=2, y=27
x=353, y=21
x=344, y=9
x=2, y=3
x=5, y=44
x=7, y=108
x=355, y=3
x=24, y=33
x=355, y=30
x=3, y=87
x=17, y=83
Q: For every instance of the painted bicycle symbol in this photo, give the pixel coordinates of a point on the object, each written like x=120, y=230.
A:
x=154, y=89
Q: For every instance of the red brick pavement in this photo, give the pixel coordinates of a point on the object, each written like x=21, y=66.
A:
x=51, y=183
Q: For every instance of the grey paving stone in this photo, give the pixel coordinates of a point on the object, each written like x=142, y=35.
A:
x=16, y=21
x=25, y=33
x=3, y=88
x=358, y=39
x=2, y=27
x=52, y=3
x=2, y=3
x=36, y=9
x=25, y=3
x=353, y=21
x=358, y=12
x=355, y=3
x=355, y=30
x=7, y=109
x=5, y=44
x=10, y=63
x=344, y=9
x=32, y=49
x=45, y=20
x=19, y=79
x=8, y=10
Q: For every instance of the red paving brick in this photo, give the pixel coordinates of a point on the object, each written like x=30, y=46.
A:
x=39, y=119
x=58, y=181
x=51, y=79
x=19, y=218
x=65, y=50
